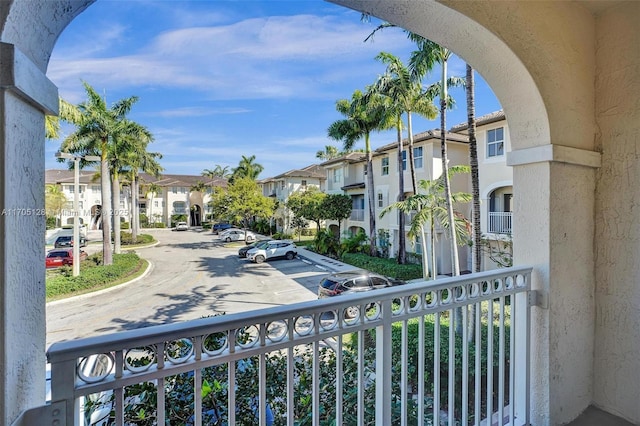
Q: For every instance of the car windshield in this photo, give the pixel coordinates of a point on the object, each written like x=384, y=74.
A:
x=58, y=254
x=328, y=283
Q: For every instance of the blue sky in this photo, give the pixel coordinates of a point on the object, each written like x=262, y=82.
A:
x=222, y=79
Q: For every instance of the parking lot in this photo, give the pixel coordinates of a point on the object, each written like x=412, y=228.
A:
x=193, y=274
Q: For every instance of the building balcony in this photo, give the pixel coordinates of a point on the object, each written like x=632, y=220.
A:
x=451, y=351
x=500, y=222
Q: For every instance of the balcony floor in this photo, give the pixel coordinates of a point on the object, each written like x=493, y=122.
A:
x=593, y=416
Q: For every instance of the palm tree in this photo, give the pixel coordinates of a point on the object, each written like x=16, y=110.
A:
x=247, y=168
x=475, y=175
x=97, y=127
x=429, y=206
x=218, y=171
x=153, y=189
x=364, y=114
x=328, y=153
x=67, y=112
x=403, y=86
x=148, y=163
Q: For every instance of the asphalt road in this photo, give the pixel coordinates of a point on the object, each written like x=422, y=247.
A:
x=193, y=274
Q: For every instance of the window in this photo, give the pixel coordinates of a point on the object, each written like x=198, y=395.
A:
x=404, y=160
x=380, y=200
x=155, y=204
x=337, y=175
x=282, y=185
x=174, y=189
x=417, y=157
x=304, y=183
x=183, y=190
x=495, y=142
x=385, y=166
x=179, y=207
x=95, y=188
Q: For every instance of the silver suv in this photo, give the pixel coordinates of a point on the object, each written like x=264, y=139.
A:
x=275, y=249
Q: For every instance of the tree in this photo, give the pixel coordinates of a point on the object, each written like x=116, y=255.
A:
x=403, y=86
x=475, y=174
x=246, y=201
x=247, y=168
x=330, y=152
x=299, y=223
x=337, y=207
x=54, y=202
x=429, y=206
x=364, y=114
x=429, y=52
x=218, y=171
x=147, y=162
x=308, y=204
x=97, y=127
x=153, y=189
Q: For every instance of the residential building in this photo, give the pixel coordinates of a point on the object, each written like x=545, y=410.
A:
x=566, y=75
x=283, y=185
x=177, y=195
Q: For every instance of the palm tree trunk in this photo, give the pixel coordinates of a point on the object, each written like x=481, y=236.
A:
x=371, y=192
x=414, y=181
x=115, y=202
x=455, y=267
x=475, y=177
x=135, y=222
x=402, y=250
x=434, y=265
x=105, y=181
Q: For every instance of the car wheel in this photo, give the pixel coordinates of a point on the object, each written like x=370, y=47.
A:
x=228, y=239
x=290, y=255
x=259, y=259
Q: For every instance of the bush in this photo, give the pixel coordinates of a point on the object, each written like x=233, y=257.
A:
x=125, y=225
x=386, y=267
x=126, y=238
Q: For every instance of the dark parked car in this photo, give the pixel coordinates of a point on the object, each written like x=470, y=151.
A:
x=67, y=241
x=218, y=227
x=62, y=257
x=242, y=251
x=354, y=281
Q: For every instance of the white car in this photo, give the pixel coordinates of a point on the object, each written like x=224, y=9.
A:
x=182, y=226
x=237, y=235
x=275, y=249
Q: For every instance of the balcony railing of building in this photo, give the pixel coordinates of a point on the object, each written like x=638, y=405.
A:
x=357, y=215
x=500, y=222
x=451, y=351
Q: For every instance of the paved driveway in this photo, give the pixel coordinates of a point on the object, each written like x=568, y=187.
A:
x=193, y=275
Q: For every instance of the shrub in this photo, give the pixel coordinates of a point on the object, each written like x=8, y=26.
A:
x=387, y=267
x=124, y=225
x=126, y=238
x=92, y=274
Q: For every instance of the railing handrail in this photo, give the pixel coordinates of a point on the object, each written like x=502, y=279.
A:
x=73, y=349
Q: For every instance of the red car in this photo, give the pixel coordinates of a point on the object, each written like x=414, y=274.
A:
x=60, y=257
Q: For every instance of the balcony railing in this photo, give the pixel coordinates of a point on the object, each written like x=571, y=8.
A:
x=500, y=222
x=357, y=215
x=452, y=351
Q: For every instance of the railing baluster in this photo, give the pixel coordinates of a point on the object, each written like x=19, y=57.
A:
x=315, y=384
x=339, y=381
x=477, y=411
x=422, y=393
x=361, y=388
x=501, y=365
x=465, y=366
x=404, y=373
x=490, y=357
x=512, y=364
x=451, y=398
x=436, y=370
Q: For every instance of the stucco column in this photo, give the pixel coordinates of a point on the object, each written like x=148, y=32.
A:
x=25, y=95
x=553, y=227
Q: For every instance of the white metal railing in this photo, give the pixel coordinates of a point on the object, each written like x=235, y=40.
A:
x=500, y=222
x=357, y=214
x=388, y=357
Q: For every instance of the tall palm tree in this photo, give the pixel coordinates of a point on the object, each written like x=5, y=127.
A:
x=247, y=168
x=148, y=163
x=475, y=175
x=153, y=189
x=424, y=57
x=403, y=85
x=97, y=127
x=363, y=115
x=429, y=206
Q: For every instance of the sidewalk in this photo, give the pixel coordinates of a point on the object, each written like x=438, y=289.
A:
x=323, y=262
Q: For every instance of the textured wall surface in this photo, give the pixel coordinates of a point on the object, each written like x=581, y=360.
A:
x=617, y=353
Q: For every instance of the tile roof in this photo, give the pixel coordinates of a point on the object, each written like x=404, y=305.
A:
x=166, y=180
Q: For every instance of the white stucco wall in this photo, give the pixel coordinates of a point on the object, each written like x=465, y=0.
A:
x=617, y=326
